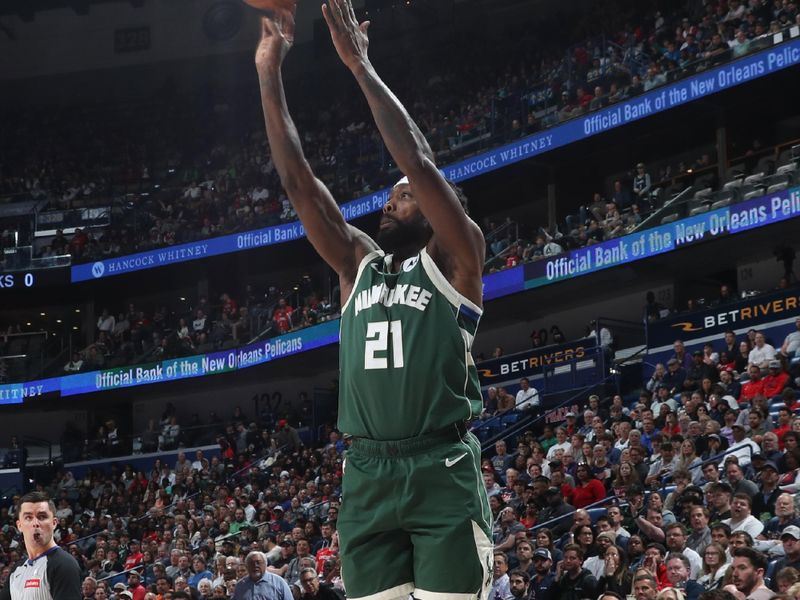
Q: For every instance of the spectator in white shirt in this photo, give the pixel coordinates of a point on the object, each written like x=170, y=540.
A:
x=742, y=447
x=792, y=342
x=762, y=353
x=260, y=193
x=741, y=519
x=193, y=191
x=527, y=396
x=75, y=365
x=562, y=444
x=606, y=339
x=501, y=589
x=106, y=322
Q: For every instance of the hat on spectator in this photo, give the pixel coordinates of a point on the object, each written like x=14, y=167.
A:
x=732, y=403
x=288, y=543
x=120, y=587
x=555, y=464
x=714, y=436
x=553, y=490
x=697, y=353
x=594, y=396
x=608, y=535
x=791, y=531
x=283, y=423
x=739, y=425
x=774, y=364
x=542, y=553
x=722, y=486
x=570, y=415
x=126, y=594
x=284, y=474
x=770, y=465
x=277, y=508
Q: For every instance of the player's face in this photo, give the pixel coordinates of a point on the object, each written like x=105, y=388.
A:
x=36, y=522
x=402, y=224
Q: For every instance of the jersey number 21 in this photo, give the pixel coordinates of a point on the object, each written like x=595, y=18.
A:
x=376, y=346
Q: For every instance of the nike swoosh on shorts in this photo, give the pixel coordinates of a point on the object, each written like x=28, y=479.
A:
x=449, y=462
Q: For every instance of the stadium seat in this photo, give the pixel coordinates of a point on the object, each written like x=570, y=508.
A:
x=770, y=571
x=703, y=208
x=754, y=193
x=777, y=187
x=754, y=179
x=666, y=491
x=671, y=218
x=704, y=192
x=596, y=513
x=721, y=203
x=733, y=184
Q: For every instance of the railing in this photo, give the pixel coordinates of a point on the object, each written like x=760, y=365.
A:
x=22, y=354
x=21, y=258
x=230, y=479
x=631, y=61
x=615, y=499
x=528, y=421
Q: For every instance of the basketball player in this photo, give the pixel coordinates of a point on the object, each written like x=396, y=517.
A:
x=49, y=572
x=415, y=517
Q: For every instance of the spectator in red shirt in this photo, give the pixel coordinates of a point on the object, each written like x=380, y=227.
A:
x=754, y=387
x=784, y=424
x=790, y=399
x=135, y=556
x=584, y=98
x=135, y=586
x=588, y=489
x=282, y=316
x=229, y=306
x=775, y=380
x=331, y=551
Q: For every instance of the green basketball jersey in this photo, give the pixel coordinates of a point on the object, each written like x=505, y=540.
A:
x=405, y=363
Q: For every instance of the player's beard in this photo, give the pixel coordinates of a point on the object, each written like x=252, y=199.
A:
x=404, y=238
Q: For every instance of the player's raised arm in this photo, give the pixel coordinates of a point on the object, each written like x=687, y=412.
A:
x=455, y=233
x=341, y=245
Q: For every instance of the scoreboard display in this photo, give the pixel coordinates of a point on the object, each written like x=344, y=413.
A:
x=33, y=279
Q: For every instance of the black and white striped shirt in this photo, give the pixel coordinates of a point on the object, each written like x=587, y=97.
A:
x=54, y=575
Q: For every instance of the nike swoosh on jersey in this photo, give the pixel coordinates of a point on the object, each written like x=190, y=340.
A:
x=449, y=462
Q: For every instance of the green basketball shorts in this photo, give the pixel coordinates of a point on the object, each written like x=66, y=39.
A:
x=415, y=519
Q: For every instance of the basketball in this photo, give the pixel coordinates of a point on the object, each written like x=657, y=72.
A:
x=272, y=5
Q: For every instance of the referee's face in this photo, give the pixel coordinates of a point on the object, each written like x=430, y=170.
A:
x=36, y=522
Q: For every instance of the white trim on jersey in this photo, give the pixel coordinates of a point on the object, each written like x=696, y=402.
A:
x=362, y=265
x=445, y=287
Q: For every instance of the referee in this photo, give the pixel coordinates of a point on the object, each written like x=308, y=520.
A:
x=49, y=572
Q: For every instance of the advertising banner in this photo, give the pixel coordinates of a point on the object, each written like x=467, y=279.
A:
x=656, y=101
x=749, y=313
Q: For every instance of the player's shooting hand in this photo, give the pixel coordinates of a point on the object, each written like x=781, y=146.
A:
x=349, y=37
x=277, y=37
